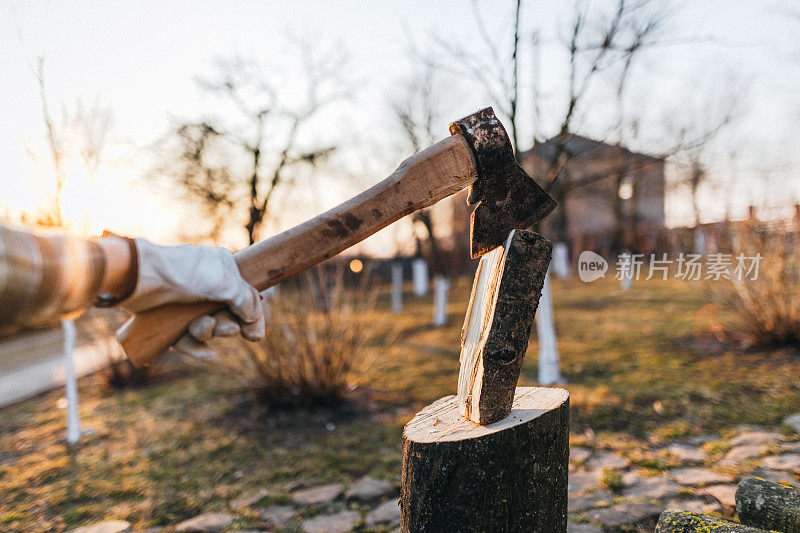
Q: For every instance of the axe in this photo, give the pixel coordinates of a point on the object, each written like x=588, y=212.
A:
x=477, y=154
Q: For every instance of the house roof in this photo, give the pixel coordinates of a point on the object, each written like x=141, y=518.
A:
x=580, y=147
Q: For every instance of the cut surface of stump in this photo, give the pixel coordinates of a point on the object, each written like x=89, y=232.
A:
x=507, y=476
x=502, y=306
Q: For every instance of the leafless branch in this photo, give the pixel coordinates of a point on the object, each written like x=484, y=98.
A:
x=93, y=124
x=56, y=143
x=416, y=108
x=264, y=138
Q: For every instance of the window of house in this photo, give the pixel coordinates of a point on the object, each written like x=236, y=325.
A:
x=626, y=188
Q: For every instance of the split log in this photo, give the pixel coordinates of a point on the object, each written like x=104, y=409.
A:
x=674, y=521
x=506, y=476
x=768, y=505
x=498, y=324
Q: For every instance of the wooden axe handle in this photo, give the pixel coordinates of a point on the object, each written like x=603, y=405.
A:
x=420, y=181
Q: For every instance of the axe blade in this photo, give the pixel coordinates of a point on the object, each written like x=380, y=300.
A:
x=507, y=197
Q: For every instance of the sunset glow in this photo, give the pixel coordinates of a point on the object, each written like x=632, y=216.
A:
x=152, y=89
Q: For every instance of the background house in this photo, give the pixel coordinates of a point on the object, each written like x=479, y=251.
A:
x=610, y=198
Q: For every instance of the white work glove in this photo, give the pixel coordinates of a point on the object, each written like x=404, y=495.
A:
x=188, y=274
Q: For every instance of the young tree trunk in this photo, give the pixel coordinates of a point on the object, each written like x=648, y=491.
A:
x=71, y=382
x=560, y=263
x=560, y=217
x=507, y=476
x=437, y=264
x=768, y=505
x=440, y=287
x=419, y=274
x=397, y=287
x=619, y=240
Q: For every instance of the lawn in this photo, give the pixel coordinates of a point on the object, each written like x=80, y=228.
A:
x=641, y=367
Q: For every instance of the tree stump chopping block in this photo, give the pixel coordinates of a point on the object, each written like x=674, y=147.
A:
x=507, y=476
x=494, y=457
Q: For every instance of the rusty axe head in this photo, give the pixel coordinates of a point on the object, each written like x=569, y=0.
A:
x=506, y=195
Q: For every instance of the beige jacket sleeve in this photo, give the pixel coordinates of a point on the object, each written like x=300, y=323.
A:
x=46, y=276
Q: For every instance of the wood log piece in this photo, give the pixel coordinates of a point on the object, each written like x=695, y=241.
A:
x=675, y=521
x=500, y=314
x=507, y=476
x=767, y=505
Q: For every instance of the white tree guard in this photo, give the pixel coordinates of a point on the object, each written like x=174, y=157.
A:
x=560, y=262
x=440, y=287
x=71, y=382
x=397, y=287
x=549, y=370
x=626, y=280
x=700, y=241
x=419, y=272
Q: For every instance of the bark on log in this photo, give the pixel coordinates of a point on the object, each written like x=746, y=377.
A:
x=674, y=521
x=498, y=324
x=768, y=505
x=506, y=476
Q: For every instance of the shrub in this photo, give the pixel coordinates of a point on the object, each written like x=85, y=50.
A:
x=314, y=347
x=764, y=311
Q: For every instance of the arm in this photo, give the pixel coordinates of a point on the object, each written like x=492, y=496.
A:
x=119, y=267
x=45, y=277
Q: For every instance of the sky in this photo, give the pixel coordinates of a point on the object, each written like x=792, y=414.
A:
x=142, y=59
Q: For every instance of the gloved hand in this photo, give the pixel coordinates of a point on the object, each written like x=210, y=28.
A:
x=187, y=274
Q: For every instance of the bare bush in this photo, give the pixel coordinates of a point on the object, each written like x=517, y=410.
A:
x=762, y=309
x=314, y=350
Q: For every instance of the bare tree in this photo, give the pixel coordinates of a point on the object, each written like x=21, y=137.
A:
x=695, y=131
x=607, y=46
x=227, y=164
x=92, y=126
x=198, y=165
x=55, y=136
x=416, y=108
x=496, y=69
x=601, y=46
x=597, y=43
x=81, y=132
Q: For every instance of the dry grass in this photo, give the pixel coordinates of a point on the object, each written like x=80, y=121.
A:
x=314, y=350
x=168, y=451
x=611, y=479
x=766, y=310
